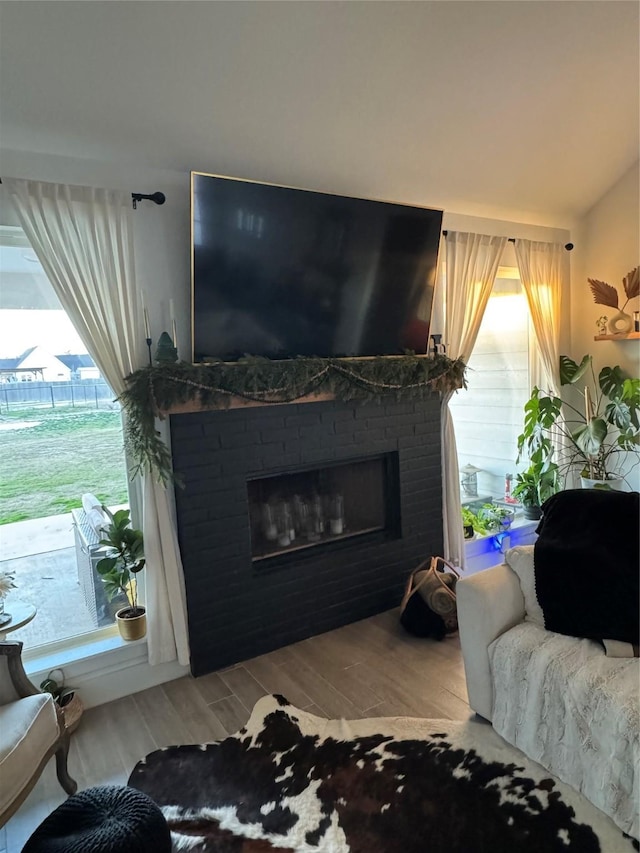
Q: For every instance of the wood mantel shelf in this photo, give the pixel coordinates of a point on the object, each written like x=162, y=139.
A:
x=630, y=336
x=193, y=406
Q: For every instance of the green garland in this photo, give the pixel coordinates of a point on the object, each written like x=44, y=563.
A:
x=154, y=391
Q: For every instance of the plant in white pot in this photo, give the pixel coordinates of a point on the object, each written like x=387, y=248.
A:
x=597, y=420
x=489, y=518
x=119, y=572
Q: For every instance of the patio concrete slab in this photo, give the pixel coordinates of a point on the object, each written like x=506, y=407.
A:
x=41, y=552
x=36, y=536
x=50, y=582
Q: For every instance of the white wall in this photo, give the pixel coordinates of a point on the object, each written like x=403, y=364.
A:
x=608, y=247
x=608, y=239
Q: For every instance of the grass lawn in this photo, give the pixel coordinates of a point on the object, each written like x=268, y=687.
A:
x=47, y=465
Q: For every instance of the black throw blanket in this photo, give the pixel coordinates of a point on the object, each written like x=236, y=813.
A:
x=587, y=564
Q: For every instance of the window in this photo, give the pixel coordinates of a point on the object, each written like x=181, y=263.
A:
x=60, y=437
x=488, y=415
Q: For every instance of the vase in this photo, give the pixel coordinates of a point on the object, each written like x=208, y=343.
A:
x=4, y=616
x=620, y=323
x=72, y=709
x=132, y=627
x=614, y=484
x=532, y=512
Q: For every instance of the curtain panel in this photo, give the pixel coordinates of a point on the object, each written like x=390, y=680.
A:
x=544, y=274
x=542, y=269
x=472, y=262
x=83, y=237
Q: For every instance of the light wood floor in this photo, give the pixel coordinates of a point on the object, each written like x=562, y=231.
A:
x=367, y=669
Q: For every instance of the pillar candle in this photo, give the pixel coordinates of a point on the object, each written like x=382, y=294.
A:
x=587, y=404
x=147, y=330
x=172, y=319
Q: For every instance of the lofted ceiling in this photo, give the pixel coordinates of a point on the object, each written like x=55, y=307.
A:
x=516, y=109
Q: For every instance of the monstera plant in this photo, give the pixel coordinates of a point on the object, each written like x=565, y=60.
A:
x=596, y=421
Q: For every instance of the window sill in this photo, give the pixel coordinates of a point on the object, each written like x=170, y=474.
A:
x=102, y=668
x=78, y=653
x=482, y=552
x=521, y=528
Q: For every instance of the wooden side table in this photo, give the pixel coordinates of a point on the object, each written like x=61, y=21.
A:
x=21, y=614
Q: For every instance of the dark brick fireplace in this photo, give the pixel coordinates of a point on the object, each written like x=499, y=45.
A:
x=241, y=604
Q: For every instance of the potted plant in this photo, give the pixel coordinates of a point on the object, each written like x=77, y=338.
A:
x=469, y=520
x=490, y=518
x=534, y=485
x=540, y=480
x=119, y=570
x=65, y=698
x=598, y=424
x=494, y=517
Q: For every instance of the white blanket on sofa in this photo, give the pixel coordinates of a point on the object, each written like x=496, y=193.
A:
x=565, y=704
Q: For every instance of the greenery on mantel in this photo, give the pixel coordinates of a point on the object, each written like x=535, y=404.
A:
x=156, y=390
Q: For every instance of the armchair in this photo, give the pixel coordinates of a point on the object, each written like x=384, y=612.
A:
x=32, y=729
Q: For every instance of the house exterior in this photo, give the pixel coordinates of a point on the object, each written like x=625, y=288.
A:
x=50, y=367
x=80, y=366
x=37, y=364
x=34, y=364
x=11, y=371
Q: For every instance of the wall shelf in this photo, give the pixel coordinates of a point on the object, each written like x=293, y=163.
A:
x=630, y=336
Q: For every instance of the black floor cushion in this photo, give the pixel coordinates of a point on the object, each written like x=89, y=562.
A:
x=106, y=819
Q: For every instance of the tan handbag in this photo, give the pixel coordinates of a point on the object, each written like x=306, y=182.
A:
x=428, y=606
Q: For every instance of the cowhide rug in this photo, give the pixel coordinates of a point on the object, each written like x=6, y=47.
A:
x=292, y=781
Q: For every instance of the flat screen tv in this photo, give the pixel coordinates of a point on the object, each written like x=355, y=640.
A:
x=280, y=272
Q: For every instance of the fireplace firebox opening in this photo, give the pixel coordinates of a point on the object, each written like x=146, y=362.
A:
x=318, y=506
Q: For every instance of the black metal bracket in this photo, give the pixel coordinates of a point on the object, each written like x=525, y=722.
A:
x=156, y=198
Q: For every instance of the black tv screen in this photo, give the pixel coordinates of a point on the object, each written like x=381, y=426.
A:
x=281, y=272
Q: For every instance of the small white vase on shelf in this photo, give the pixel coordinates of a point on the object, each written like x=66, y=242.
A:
x=620, y=323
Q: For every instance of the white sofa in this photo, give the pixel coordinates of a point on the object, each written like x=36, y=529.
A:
x=559, y=699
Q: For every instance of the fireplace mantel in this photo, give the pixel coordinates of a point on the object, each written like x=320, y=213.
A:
x=249, y=384
x=192, y=406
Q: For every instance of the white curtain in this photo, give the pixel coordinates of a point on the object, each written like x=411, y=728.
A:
x=543, y=273
x=166, y=596
x=83, y=238
x=542, y=269
x=472, y=262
